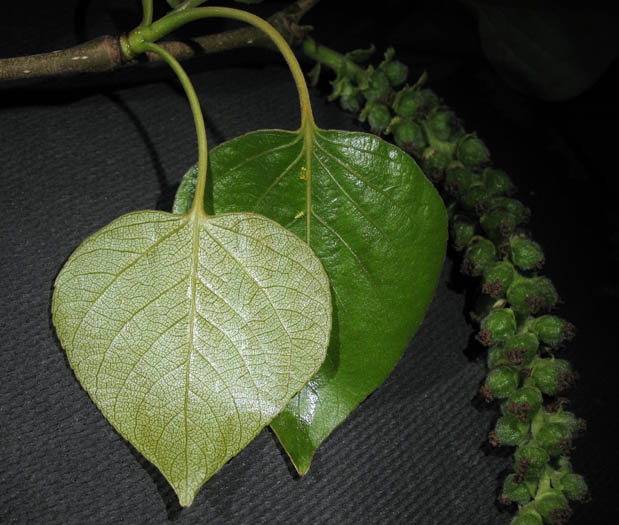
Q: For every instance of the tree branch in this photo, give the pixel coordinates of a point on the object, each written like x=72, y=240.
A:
x=104, y=54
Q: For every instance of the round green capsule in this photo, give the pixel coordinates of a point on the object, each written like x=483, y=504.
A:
x=442, y=123
x=521, y=349
x=553, y=506
x=379, y=117
x=479, y=256
x=529, y=461
x=552, y=376
x=457, y=180
x=434, y=163
x=526, y=254
x=502, y=381
x=496, y=356
x=472, y=152
x=526, y=517
x=396, y=72
x=462, y=231
x=499, y=325
x=497, y=182
x=514, y=491
x=554, y=438
x=378, y=87
x=567, y=419
x=523, y=403
x=498, y=223
x=520, y=212
x=409, y=136
x=552, y=330
x=573, y=486
x=408, y=103
x=511, y=431
x=532, y=295
x=497, y=279
x=476, y=198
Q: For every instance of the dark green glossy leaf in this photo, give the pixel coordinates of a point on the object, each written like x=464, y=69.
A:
x=191, y=333
x=379, y=228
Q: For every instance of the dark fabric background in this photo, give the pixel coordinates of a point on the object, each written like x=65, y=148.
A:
x=75, y=154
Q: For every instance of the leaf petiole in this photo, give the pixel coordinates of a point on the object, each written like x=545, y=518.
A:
x=147, y=13
x=194, y=103
x=150, y=33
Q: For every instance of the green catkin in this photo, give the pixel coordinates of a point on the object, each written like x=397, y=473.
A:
x=488, y=225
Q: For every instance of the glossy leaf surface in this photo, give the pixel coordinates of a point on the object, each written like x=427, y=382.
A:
x=191, y=333
x=379, y=228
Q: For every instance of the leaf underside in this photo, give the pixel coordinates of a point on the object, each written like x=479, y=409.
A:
x=191, y=333
x=379, y=228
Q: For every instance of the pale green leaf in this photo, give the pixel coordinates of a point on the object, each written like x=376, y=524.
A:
x=380, y=230
x=191, y=333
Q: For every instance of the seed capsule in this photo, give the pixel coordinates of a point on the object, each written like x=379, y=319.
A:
x=457, y=180
x=396, y=72
x=573, y=486
x=498, y=326
x=532, y=295
x=514, y=491
x=552, y=376
x=527, y=516
x=497, y=279
x=442, y=123
x=379, y=117
x=378, y=88
x=555, y=438
x=553, y=506
x=511, y=431
x=434, y=163
x=526, y=254
x=479, y=256
x=408, y=135
x=530, y=460
x=462, y=231
x=502, y=381
x=552, y=330
x=521, y=349
x=472, y=152
x=497, y=181
x=523, y=403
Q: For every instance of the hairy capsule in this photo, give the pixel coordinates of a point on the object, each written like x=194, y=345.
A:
x=379, y=117
x=526, y=254
x=552, y=330
x=497, y=279
x=553, y=506
x=529, y=461
x=552, y=376
x=378, y=88
x=479, y=256
x=521, y=349
x=511, y=431
x=502, y=381
x=462, y=231
x=472, y=152
x=408, y=135
x=514, y=491
x=497, y=327
x=498, y=182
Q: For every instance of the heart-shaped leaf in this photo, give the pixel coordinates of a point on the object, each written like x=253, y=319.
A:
x=379, y=228
x=191, y=333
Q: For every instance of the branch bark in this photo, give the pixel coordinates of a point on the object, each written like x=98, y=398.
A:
x=104, y=54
